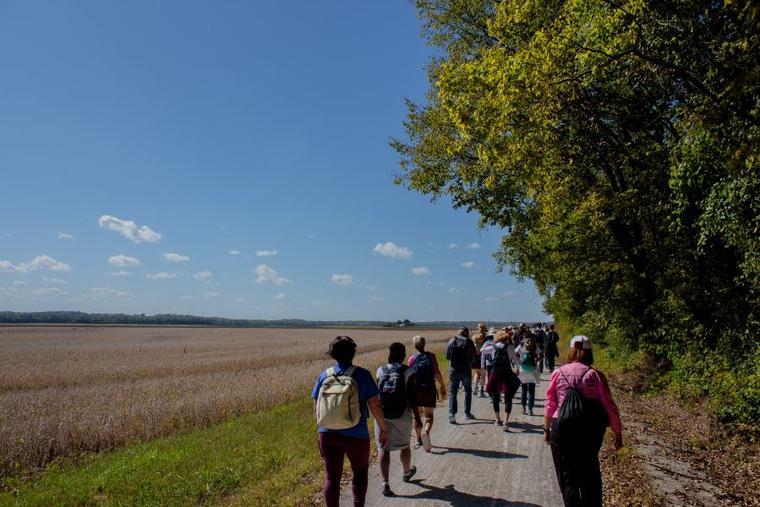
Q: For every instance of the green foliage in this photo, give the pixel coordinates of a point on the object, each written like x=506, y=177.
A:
x=618, y=144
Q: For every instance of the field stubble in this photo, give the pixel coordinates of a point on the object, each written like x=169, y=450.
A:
x=69, y=390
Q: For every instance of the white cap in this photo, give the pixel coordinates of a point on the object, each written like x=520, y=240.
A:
x=580, y=342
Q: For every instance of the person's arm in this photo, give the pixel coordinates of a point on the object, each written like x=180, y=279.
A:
x=377, y=412
x=411, y=398
x=437, y=374
x=448, y=349
x=611, y=408
x=314, y=402
x=550, y=405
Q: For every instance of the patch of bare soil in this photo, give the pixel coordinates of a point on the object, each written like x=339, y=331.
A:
x=676, y=456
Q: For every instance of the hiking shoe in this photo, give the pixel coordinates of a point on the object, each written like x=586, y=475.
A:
x=506, y=428
x=452, y=420
x=418, y=443
x=387, y=490
x=525, y=412
x=426, y=442
x=470, y=416
x=498, y=422
x=408, y=476
x=531, y=412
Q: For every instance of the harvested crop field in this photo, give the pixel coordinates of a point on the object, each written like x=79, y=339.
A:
x=68, y=390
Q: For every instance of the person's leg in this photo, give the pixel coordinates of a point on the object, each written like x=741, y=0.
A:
x=428, y=415
x=453, y=389
x=357, y=451
x=531, y=396
x=385, y=464
x=406, y=459
x=467, y=382
x=524, y=396
x=332, y=457
x=495, y=402
x=566, y=467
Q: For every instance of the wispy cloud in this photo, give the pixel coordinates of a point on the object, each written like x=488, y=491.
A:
x=175, y=257
x=239, y=300
x=234, y=252
x=342, y=279
x=107, y=292
x=452, y=290
x=430, y=282
x=319, y=303
x=280, y=297
x=48, y=291
x=510, y=293
x=473, y=246
x=129, y=229
x=63, y=235
x=38, y=263
x=59, y=281
x=266, y=253
x=267, y=275
x=202, y=275
x=120, y=273
x=468, y=264
x=490, y=299
x=162, y=275
x=392, y=250
x=18, y=283
x=212, y=295
x=123, y=261
x=376, y=299
x=452, y=246
x=420, y=271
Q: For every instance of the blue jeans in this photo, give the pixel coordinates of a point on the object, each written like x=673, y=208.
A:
x=457, y=377
x=528, y=395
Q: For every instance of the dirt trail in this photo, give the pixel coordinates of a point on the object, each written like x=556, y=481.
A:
x=475, y=463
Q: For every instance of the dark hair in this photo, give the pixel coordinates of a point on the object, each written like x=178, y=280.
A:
x=342, y=349
x=585, y=356
x=464, y=332
x=396, y=352
x=551, y=326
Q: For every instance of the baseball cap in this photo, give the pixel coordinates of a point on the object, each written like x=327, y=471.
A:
x=580, y=342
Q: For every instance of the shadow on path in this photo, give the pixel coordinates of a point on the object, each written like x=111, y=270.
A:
x=460, y=498
x=527, y=427
x=481, y=453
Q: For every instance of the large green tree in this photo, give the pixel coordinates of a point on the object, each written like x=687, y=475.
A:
x=616, y=142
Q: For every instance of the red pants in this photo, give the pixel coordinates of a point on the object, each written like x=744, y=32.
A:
x=333, y=448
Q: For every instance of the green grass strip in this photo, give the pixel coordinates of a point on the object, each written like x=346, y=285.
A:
x=269, y=455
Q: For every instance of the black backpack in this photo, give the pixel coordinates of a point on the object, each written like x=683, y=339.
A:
x=423, y=372
x=458, y=353
x=393, y=391
x=571, y=413
x=501, y=361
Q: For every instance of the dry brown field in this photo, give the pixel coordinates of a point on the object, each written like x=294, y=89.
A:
x=69, y=390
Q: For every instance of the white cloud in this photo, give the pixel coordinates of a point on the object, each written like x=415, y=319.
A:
x=490, y=299
x=123, y=261
x=392, y=250
x=319, y=303
x=120, y=273
x=268, y=275
x=281, y=297
x=163, y=275
x=48, y=291
x=239, y=300
x=129, y=229
x=420, y=271
x=63, y=235
x=54, y=280
x=510, y=293
x=452, y=246
x=212, y=295
x=452, y=290
x=175, y=257
x=342, y=279
x=202, y=275
x=370, y=288
x=234, y=252
x=18, y=282
x=39, y=262
x=468, y=264
x=376, y=299
x=430, y=282
x=473, y=246
x=107, y=292
x=266, y=253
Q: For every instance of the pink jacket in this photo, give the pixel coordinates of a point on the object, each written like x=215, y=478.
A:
x=594, y=386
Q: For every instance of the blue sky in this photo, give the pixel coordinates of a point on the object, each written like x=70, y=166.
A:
x=131, y=131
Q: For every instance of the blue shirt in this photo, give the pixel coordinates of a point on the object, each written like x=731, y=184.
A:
x=367, y=389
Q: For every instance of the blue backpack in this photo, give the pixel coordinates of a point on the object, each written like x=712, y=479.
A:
x=423, y=372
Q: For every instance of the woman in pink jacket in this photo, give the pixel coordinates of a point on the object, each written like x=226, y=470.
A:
x=576, y=440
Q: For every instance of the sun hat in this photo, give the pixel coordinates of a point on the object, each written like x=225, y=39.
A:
x=580, y=342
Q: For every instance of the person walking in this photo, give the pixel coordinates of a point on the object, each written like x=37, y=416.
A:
x=478, y=379
x=539, y=338
x=501, y=378
x=343, y=396
x=552, y=347
x=424, y=365
x=574, y=430
x=529, y=374
x=398, y=401
x=460, y=351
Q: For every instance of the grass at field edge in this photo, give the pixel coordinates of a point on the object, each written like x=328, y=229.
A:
x=267, y=455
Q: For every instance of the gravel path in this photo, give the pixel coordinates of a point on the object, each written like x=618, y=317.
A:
x=475, y=464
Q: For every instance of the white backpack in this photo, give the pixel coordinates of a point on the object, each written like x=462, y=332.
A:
x=338, y=401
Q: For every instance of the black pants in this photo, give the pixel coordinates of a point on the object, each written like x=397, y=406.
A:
x=550, y=357
x=496, y=397
x=576, y=461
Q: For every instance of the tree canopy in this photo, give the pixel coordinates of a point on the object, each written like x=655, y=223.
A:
x=616, y=142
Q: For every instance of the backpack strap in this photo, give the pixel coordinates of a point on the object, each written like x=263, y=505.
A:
x=350, y=371
x=330, y=372
x=579, y=380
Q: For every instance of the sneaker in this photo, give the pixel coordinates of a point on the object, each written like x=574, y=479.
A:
x=498, y=422
x=418, y=443
x=408, y=476
x=470, y=416
x=525, y=412
x=531, y=412
x=426, y=442
x=387, y=490
x=506, y=428
x=452, y=420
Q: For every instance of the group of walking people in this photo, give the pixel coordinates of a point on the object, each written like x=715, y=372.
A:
x=402, y=397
